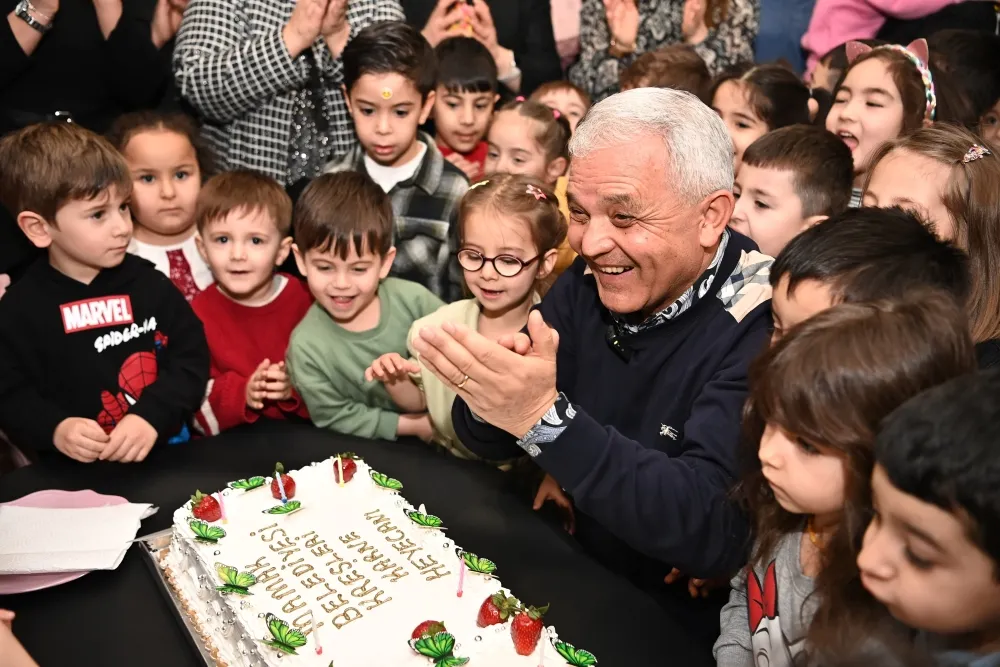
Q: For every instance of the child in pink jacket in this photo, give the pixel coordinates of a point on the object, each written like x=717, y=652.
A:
x=837, y=21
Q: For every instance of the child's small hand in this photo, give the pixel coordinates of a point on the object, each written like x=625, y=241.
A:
x=130, y=440
x=6, y=617
x=256, y=386
x=277, y=385
x=80, y=439
x=418, y=425
x=391, y=368
x=697, y=588
x=4, y=284
x=472, y=170
x=550, y=490
x=424, y=428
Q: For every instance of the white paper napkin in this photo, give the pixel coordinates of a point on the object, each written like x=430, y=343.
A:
x=34, y=540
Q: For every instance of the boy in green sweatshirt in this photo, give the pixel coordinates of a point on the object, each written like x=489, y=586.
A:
x=343, y=226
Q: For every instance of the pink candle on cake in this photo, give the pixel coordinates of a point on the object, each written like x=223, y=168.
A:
x=340, y=471
x=461, y=576
x=319, y=646
x=222, y=506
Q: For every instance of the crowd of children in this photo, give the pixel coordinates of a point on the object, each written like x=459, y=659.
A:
x=167, y=305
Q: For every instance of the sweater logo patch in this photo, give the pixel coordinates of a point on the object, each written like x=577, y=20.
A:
x=668, y=431
x=96, y=313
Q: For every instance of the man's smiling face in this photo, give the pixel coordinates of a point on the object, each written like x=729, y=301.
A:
x=644, y=242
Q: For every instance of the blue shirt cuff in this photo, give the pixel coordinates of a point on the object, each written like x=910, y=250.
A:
x=547, y=429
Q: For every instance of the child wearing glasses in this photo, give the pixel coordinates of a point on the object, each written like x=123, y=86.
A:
x=510, y=229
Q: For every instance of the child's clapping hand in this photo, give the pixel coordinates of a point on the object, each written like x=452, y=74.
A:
x=550, y=490
x=80, y=439
x=472, y=171
x=391, y=368
x=130, y=441
x=269, y=382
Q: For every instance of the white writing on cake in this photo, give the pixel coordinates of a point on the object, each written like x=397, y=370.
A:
x=344, y=593
x=114, y=338
x=94, y=313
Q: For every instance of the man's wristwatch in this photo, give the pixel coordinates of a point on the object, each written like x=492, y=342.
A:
x=24, y=11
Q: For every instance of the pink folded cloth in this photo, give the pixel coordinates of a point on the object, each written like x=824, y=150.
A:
x=837, y=21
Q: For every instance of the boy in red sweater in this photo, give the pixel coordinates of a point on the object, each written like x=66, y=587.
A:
x=243, y=220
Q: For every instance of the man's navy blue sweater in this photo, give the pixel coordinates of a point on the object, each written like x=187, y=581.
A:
x=651, y=454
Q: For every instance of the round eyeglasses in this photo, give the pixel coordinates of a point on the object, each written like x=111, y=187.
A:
x=507, y=266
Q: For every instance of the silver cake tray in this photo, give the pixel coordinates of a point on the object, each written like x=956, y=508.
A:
x=154, y=547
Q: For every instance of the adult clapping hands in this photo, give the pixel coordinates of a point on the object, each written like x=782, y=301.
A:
x=509, y=384
x=517, y=33
x=312, y=19
x=453, y=18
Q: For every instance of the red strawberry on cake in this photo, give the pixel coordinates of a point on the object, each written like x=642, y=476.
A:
x=496, y=609
x=350, y=467
x=205, y=507
x=428, y=629
x=526, y=629
x=286, y=480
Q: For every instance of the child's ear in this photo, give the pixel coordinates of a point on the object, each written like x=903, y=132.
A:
x=813, y=107
x=813, y=220
x=283, y=250
x=425, y=111
x=200, y=244
x=555, y=169
x=347, y=99
x=36, y=228
x=300, y=260
x=547, y=263
x=387, y=259
x=496, y=98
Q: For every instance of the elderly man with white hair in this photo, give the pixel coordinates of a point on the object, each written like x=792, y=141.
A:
x=629, y=385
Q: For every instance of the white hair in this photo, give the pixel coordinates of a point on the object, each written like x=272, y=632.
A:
x=699, y=150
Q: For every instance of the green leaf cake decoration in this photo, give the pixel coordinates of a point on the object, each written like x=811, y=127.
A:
x=425, y=520
x=386, y=482
x=206, y=533
x=233, y=581
x=247, y=484
x=576, y=657
x=479, y=565
x=439, y=648
x=284, y=639
x=286, y=508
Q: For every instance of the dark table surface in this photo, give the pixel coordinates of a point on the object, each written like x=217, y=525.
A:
x=121, y=617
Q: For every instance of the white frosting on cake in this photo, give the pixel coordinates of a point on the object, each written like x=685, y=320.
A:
x=366, y=572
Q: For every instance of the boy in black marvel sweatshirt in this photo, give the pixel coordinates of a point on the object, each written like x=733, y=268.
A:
x=100, y=355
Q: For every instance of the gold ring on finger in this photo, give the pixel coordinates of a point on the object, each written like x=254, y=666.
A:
x=462, y=383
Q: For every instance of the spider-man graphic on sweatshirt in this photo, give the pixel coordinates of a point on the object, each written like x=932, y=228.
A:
x=127, y=343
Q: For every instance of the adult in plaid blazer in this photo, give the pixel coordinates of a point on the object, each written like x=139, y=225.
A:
x=266, y=75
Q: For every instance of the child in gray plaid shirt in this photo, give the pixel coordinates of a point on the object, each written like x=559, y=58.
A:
x=390, y=73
